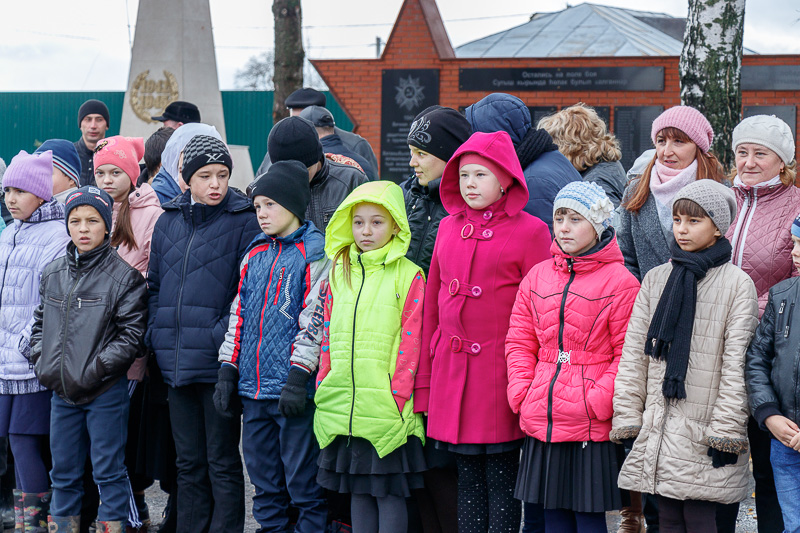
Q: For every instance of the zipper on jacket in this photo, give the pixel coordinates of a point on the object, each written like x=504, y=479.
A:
x=88, y=301
x=3, y=282
x=391, y=391
x=424, y=231
x=66, y=326
x=353, y=350
x=180, y=293
x=278, y=288
x=261, y=319
x=788, y=321
x=560, y=349
x=586, y=402
x=779, y=318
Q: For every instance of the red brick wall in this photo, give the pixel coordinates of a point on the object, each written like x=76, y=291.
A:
x=356, y=84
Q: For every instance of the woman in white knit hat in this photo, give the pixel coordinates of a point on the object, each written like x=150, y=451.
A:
x=768, y=201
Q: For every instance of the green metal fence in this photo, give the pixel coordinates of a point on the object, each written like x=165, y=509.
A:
x=27, y=119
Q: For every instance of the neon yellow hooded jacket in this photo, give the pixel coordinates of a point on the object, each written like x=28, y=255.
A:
x=355, y=397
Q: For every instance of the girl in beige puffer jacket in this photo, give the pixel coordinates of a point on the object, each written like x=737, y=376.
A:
x=680, y=392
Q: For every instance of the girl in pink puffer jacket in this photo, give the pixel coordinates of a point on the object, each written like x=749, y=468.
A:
x=563, y=347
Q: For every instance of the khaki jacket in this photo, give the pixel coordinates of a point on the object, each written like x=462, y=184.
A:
x=669, y=456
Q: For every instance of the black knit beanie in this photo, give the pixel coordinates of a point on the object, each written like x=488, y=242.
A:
x=204, y=150
x=93, y=107
x=90, y=195
x=295, y=138
x=439, y=131
x=286, y=182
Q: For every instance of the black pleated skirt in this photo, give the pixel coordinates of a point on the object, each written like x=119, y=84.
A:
x=356, y=468
x=577, y=476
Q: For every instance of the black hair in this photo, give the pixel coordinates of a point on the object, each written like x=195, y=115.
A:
x=153, y=147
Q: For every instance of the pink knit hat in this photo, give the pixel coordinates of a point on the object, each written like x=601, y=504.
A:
x=122, y=152
x=690, y=121
x=32, y=173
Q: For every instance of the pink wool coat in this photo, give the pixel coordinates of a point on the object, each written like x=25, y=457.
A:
x=478, y=261
x=577, y=308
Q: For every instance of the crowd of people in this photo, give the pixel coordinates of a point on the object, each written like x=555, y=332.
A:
x=520, y=336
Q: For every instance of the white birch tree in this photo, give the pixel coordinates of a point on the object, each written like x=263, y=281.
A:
x=710, y=67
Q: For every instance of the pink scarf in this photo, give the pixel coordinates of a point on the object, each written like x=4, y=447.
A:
x=665, y=183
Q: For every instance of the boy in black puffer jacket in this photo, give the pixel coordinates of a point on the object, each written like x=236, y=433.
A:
x=87, y=331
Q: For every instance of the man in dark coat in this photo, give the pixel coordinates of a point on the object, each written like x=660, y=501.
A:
x=546, y=169
x=94, y=122
x=306, y=97
x=323, y=120
x=193, y=277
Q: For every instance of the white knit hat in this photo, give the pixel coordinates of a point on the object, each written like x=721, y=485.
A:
x=587, y=199
x=769, y=131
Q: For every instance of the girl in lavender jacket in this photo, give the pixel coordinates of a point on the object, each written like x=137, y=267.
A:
x=36, y=237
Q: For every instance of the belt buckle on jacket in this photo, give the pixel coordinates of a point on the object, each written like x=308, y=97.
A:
x=563, y=357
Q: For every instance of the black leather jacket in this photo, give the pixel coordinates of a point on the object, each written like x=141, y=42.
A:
x=90, y=323
x=329, y=187
x=771, y=370
x=425, y=210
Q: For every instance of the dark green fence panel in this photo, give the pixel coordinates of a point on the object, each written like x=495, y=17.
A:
x=27, y=118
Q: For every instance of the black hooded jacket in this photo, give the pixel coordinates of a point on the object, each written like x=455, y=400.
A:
x=424, y=210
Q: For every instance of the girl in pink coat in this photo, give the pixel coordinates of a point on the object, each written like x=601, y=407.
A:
x=482, y=252
x=563, y=348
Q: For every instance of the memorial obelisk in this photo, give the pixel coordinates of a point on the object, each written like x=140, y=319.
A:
x=173, y=59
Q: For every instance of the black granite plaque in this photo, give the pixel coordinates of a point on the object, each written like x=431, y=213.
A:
x=787, y=113
x=770, y=77
x=539, y=112
x=632, y=129
x=404, y=94
x=562, y=79
x=604, y=112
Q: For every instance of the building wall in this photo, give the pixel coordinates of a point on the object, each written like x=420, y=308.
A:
x=357, y=83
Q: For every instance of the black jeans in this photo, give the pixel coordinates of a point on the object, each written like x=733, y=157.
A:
x=210, y=477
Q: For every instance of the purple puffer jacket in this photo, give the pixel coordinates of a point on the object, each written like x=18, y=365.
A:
x=761, y=234
x=25, y=249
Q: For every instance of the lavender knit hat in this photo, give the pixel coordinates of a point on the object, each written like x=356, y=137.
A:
x=32, y=173
x=690, y=121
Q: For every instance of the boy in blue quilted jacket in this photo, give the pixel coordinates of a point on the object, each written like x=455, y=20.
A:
x=272, y=349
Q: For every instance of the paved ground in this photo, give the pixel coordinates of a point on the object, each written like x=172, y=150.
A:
x=158, y=499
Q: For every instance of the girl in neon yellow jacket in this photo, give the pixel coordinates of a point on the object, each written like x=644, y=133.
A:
x=371, y=439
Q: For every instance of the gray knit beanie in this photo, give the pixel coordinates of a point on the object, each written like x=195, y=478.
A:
x=717, y=200
x=769, y=131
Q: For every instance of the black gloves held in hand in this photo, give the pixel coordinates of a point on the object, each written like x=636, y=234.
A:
x=720, y=458
x=293, y=395
x=226, y=397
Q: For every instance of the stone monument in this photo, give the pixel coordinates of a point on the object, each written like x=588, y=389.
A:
x=173, y=59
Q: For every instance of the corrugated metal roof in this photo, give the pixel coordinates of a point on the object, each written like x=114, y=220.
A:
x=585, y=30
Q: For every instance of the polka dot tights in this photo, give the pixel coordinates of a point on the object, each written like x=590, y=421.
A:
x=486, y=501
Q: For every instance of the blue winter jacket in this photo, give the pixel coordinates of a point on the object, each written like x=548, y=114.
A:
x=166, y=188
x=279, y=276
x=192, y=279
x=545, y=175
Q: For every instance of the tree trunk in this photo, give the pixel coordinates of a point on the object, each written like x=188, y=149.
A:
x=711, y=65
x=289, y=54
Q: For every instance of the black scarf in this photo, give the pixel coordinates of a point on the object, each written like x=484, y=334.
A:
x=534, y=144
x=670, y=334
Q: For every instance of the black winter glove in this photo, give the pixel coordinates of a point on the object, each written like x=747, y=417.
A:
x=226, y=399
x=293, y=395
x=720, y=458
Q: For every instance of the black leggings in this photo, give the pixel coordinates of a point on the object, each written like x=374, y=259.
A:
x=370, y=514
x=486, y=493
x=686, y=516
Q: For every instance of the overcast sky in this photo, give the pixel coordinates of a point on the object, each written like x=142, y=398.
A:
x=82, y=45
